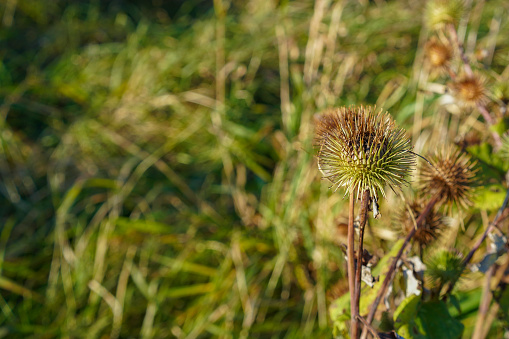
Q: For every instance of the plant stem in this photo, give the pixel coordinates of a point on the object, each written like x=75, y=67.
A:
x=351, y=265
x=484, y=306
x=492, y=313
x=369, y=327
x=481, y=240
x=363, y=214
x=392, y=268
x=461, y=51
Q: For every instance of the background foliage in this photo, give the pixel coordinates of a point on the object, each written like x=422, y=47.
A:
x=156, y=162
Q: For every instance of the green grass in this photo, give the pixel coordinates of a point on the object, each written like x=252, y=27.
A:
x=157, y=177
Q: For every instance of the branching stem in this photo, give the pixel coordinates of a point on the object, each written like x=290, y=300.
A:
x=481, y=240
x=392, y=268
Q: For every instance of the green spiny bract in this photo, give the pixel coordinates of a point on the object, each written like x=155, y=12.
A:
x=443, y=12
x=360, y=150
x=444, y=266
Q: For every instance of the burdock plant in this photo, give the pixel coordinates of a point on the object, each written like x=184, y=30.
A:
x=361, y=151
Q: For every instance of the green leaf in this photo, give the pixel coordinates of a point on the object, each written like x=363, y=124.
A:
x=416, y=319
x=492, y=165
x=438, y=322
x=340, y=315
x=490, y=197
x=407, y=310
x=406, y=322
x=500, y=127
x=455, y=303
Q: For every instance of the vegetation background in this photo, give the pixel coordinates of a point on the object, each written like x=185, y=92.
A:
x=157, y=176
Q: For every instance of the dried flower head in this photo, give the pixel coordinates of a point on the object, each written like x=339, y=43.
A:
x=450, y=176
x=360, y=150
x=438, y=54
x=470, y=90
x=428, y=231
x=443, y=12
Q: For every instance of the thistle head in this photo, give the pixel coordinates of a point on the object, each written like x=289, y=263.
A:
x=438, y=54
x=443, y=12
x=470, y=90
x=428, y=231
x=360, y=150
x=450, y=176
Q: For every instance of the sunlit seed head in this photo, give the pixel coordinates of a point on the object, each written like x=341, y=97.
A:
x=451, y=176
x=428, y=231
x=443, y=12
x=360, y=150
x=438, y=54
x=470, y=90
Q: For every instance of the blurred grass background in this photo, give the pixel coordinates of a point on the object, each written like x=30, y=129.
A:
x=157, y=176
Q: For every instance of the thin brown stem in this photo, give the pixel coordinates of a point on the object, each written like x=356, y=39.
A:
x=492, y=313
x=351, y=263
x=363, y=213
x=392, y=268
x=368, y=327
x=481, y=240
x=485, y=304
x=461, y=51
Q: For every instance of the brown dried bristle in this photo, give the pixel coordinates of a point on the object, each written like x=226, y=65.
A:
x=451, y=178
x=427, y=231
x=470, y=91
x=438, y=54
x=362, y=150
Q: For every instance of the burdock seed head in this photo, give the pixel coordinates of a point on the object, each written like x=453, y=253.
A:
x=428, y=231
x=438, y=54
x=360, y=150
x=470, y=90
x=450, y=176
